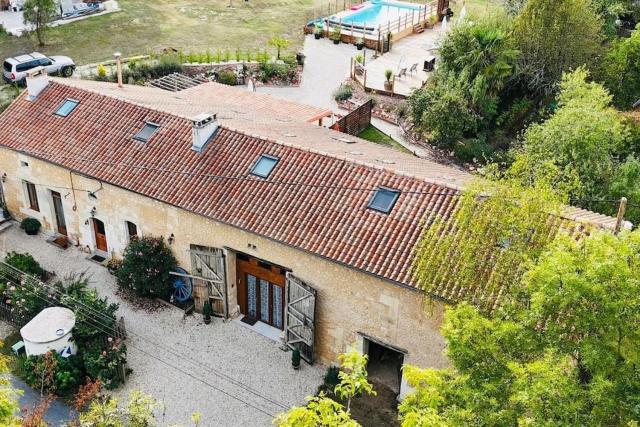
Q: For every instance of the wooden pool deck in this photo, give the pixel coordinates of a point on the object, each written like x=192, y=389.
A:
x=410, y=50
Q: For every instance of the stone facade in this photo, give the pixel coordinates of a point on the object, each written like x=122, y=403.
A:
x=350, y=303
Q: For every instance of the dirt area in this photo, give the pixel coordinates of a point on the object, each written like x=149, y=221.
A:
x=376, y=411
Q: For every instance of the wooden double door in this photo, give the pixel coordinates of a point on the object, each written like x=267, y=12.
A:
x=261, y=287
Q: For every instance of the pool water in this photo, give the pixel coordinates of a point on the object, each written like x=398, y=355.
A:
x=377, y=13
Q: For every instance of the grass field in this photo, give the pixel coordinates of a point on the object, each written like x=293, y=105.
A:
x=189, y=25
x=374, y=135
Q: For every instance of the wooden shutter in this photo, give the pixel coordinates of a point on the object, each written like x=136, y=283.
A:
x=300, y=317
x=209, y=265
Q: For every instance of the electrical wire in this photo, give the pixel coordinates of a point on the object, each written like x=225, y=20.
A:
x=101, y=316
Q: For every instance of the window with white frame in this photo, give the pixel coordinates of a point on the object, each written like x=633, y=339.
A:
x=132, y=230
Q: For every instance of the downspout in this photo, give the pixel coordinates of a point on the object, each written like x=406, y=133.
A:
x=226, y=289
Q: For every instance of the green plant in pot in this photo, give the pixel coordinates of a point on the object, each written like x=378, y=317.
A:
x=295, y=358
x=31, y=226
x=335, y=35
x=387, y=79
x=359, y=43
x=207, y=312
x=318, y=32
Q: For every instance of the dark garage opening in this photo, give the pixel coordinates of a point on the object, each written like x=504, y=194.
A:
x=385, y=364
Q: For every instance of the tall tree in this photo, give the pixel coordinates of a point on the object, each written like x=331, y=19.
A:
x=8, y=397
x=39, y=13
x=556, y=37
x=563, y=348
x=578, y=148
x=620, y=70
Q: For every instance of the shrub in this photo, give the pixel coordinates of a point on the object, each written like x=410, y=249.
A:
x=331, y=377
x=227, y=77
x=30, y=225
x=53, y=373
x=105, y=364
x=343, y=93
x=102, y=71
x=473, y=150
x=359, y=58
x=145, y=267
x=25, y=263
x=271, y=70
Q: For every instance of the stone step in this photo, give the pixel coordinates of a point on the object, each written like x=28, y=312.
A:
x=4, y=224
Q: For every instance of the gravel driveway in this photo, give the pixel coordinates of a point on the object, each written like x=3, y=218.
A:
x=229, y=373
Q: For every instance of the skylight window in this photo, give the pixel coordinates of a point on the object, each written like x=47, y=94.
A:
x=383, y=200
x=146, y=132
x=67, y=107
x=264, y=165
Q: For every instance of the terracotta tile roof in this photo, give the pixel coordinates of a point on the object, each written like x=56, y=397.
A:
x=315, y=199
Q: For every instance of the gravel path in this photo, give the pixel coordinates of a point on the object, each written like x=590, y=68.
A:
x=232, y=375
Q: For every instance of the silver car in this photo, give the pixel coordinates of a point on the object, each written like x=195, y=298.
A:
x=15, y=69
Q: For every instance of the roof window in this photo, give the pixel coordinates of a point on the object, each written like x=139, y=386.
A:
x=146, y=132
x=67, y=107
x=383, y=200
x=264, y=165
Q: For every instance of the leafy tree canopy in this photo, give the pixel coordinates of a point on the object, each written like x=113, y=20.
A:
x=39, y=13
x=620, y=70
x=563, y=349
x=555, y=37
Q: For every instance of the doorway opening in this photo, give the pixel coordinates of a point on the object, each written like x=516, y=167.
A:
x=100, y=235
x=385, y=363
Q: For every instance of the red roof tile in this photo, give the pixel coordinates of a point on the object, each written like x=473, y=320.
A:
x=311, y=201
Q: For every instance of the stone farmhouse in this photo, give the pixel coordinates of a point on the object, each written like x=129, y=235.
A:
x=307, y=232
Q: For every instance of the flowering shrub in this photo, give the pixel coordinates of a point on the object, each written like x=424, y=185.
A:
x=25, y=263
x=145, y=267
x=104, y=363
x=52, y=373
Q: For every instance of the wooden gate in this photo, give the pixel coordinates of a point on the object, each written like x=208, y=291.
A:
x=209, y=273
x=300, y=317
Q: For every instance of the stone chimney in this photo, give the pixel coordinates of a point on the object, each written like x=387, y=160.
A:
x=37, y=81
x=204, y=128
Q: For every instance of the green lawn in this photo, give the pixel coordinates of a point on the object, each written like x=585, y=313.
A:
x=374, y=135
x=190, y=25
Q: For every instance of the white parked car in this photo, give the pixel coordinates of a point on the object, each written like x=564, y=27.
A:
x=15, y=69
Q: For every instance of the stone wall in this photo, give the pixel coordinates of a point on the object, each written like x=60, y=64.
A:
x=349, y=303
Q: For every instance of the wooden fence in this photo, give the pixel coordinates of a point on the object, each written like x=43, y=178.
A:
x=356, y=121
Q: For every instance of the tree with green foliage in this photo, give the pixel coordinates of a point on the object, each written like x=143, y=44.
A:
x=321, y=410
x=481, y=54
x=555, y=37
x=278, y=43
x=40, y=13
x=146, y=265
x=561, y=349
x=578, y=149
x=441, y=111
x=8, y=397
x=620, y=70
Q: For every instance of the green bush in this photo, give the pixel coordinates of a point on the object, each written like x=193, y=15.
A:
x=331, y=377
x=343, y=93
x=30, y=225
x=227, y=77
x=25, y=263
x=53, y=373
x=145, y=267
x=473, y=150
x=271, y=70
x=104, y=363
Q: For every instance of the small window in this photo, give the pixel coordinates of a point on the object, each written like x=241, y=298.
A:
x=32, y=195
x=66, y=108
x=146, y=132
x=264, y=166
x=132, y=230
x=383, y=200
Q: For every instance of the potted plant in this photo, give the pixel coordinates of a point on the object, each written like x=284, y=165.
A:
x=31, y=226
x=207, y=311
x=387, y=80
x=295, y=358
x=318, y=32
x=335, y=35
x=359, y=43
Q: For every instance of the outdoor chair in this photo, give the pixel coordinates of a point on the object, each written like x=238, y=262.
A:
x=414, y=68
x=402, y=73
